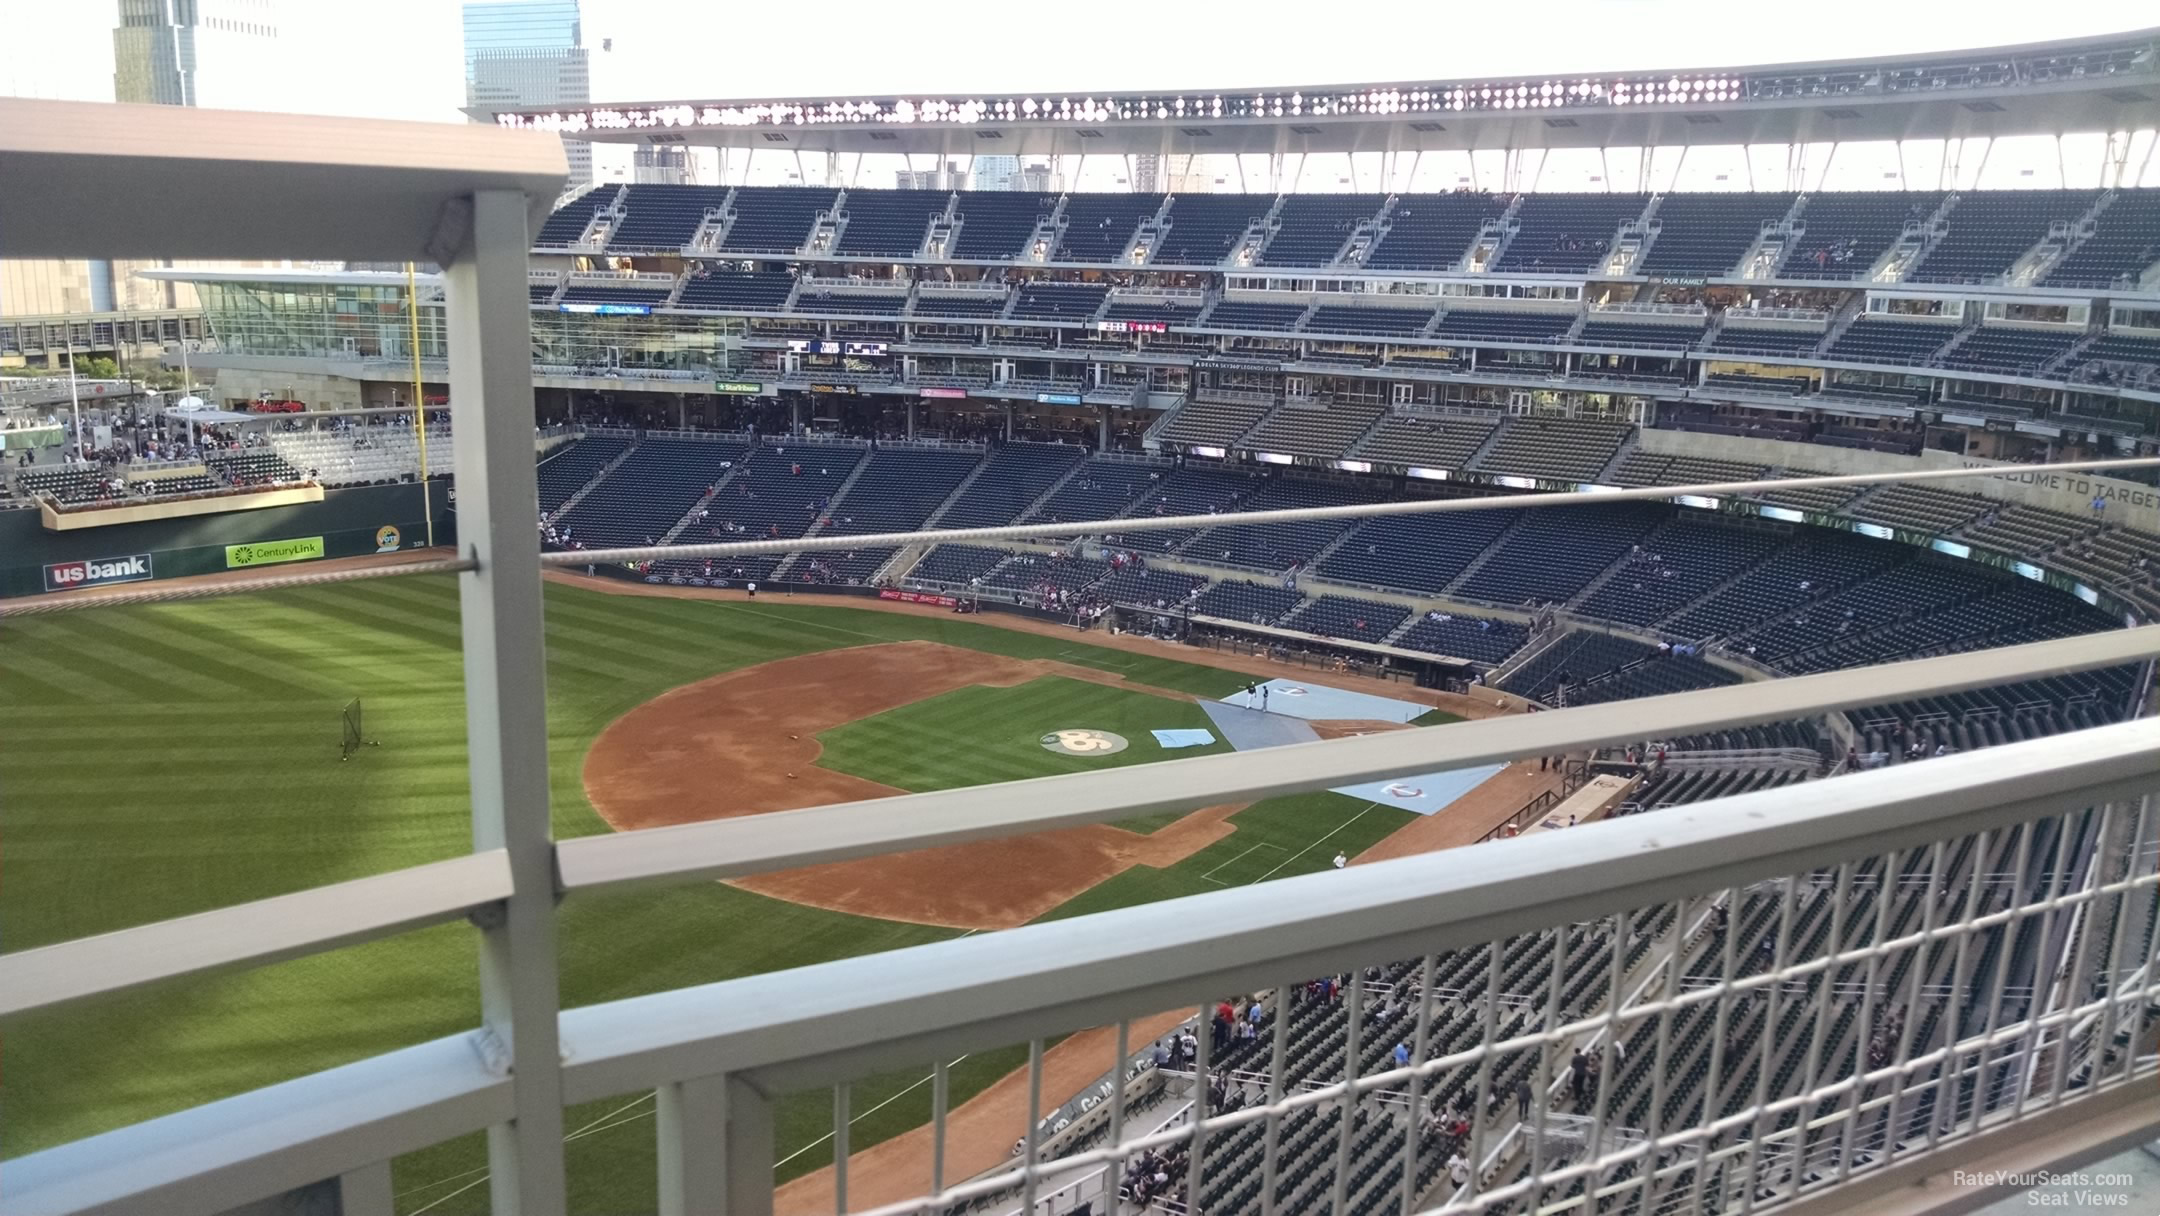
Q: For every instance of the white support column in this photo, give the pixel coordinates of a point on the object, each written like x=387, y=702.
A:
x=491, y=402
x=693, y=1130
x=748, y=1150
x=366, y=1191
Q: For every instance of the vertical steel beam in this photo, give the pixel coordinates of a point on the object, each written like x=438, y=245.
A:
x=749, y=1150
x=366, y=1191
x=491, y=403
x=692, y=1127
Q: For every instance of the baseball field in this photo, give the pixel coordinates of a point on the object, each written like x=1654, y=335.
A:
x=162, y=760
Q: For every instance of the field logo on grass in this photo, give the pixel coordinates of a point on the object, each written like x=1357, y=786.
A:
x=1083, y=743
x=271, y=552
x=1407, y=793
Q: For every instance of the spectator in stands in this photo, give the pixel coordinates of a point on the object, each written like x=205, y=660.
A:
x=1522, y=1097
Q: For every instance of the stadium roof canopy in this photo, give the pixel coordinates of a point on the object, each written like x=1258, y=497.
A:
x=2090, y=84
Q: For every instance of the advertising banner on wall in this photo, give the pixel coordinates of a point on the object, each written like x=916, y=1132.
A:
x=97, y=571
x=272, y=552
x=916, y=597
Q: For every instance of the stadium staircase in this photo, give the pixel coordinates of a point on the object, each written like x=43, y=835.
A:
x=593, y=483
x=1499, y=545
x=960, y=490
x=1627, y=448
x=832, y=508
x=712, y=231
x=1028, y=511
x=704, y=500
x=1492, y=440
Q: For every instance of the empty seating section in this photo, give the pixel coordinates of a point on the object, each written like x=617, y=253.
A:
x=1504, y=326
x=2025, y=531
x=957, y=563
x=252, y=467
x=1313, y=228
x=1340, y=616
x=995, y=224
x=896, y=492
x=542, y=293
x=2114, y=348
x=1188, y=491
x=1098, y=227
x=1572, y=660
x=1099, y=489
x=1212, y=423
x=1869, y=340
x=2011, y=349
x=1674, y=565
x=1861, y=225
x=1555, y=553
x=1762, y=340
x=1168, y=314
x=1017, y=474
x=1815, y=564
x=1236, y=599
x=1391, y=322
x=566, y=470
x=2124, y=244
x=1990, y=230
x=649, y=492
x=1032, y=572
x=1438, y=442
x=68, y=486
x=852, y=303
x=1323, y=432
x=1639, y=334
x=1240, y=314
x=1790, y=386
x=585, y=293
x=365, y=456
x=1059, y=301
x=1921, y=508
x=1204, y=228
x=1562, y=449
x=1705, y=235
x=930, y=305
x=888, y=223
x=730, y=291
x=662, y=219
x=1899, y=594
x=1432, y=231
x=1653, y=676
x=567, y=222
x=1478, y=639
x=1566, y=233
x=779, y=491
x=1416, y=552
x=1655, y=469
x=775, y=219
x=1278, y=547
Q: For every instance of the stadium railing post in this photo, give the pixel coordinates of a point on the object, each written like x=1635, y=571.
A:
x=488, y=326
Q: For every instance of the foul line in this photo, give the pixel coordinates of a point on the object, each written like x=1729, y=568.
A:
x=1309, y=848
x=1210, y=875
x=866, y=1114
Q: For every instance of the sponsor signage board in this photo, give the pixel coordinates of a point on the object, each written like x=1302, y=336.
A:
x=97, y=572
x=273, y=552
x=739, y=388
x=916, y=597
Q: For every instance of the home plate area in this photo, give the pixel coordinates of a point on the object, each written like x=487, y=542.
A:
x=1292, y=708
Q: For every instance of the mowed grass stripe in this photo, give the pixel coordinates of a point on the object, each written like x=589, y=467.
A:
x=179, y=644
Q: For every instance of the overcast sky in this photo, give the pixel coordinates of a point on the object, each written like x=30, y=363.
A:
x=402, y=58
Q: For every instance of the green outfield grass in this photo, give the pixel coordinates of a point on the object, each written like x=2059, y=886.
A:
x=163, y=760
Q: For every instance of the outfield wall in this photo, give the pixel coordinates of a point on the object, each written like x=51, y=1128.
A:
x=348, y=523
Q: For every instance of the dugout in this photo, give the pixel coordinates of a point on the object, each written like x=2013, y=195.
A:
x=1297, y=649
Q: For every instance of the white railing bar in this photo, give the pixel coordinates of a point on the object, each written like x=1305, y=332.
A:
x=253, y=934
x=759, y=843
x=222, y=1154
x=1161, y=523
x=819, y=1024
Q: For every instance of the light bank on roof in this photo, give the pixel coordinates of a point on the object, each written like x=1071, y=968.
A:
x=2109, y=83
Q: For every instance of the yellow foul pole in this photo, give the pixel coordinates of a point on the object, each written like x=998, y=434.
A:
x=412, y=311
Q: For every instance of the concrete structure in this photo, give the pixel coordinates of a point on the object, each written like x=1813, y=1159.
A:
x=219, y=54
